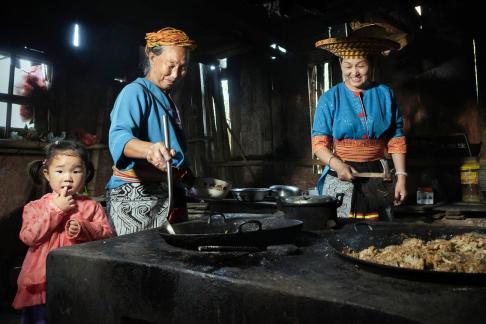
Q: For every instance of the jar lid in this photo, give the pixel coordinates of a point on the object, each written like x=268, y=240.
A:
x=470, y=166
x=307, y=200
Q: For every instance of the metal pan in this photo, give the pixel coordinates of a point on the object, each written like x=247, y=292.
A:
x=250, y=194
x=283, y=191
x=360, y=236
x=233, y=232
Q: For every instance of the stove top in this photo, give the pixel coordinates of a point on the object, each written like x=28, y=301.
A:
x=143, y=278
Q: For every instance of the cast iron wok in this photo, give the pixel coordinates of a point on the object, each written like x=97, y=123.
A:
x=233, y=232
x=360, y=236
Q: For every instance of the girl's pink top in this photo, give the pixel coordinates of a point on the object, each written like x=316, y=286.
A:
x=44, y=228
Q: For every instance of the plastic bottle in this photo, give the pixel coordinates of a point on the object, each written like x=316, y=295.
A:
x=469, y=180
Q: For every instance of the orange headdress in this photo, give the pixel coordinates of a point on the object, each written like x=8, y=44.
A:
x=168, y=37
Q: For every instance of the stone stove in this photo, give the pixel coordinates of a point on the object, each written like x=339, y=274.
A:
x=138, y=278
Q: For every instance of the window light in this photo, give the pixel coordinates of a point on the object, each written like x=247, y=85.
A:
x=223, y=63
x=25, y=64
x=418, y=9
x=76, y=35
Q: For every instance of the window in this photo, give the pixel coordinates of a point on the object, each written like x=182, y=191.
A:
x=319, y=81
x=21, y=77
x=215, y=102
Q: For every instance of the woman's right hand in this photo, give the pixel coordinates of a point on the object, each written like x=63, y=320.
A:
x=344, y=171
x=158, y=155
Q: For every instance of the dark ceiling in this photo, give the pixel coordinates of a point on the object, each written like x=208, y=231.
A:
x=221, y=28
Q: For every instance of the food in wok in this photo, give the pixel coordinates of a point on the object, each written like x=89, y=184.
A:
x=460, y=253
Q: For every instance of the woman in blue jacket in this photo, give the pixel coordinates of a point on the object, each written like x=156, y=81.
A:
x=356, y=125
x=137, y=192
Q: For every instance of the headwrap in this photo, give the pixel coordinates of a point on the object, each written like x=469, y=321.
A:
x=168, y=37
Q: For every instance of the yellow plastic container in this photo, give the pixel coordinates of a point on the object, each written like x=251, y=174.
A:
x=470, y=180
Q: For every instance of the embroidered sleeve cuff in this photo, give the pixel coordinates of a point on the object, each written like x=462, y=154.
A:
x=320, y=142
x=397, y=145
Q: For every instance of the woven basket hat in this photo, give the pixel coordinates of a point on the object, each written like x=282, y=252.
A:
x=357, y=47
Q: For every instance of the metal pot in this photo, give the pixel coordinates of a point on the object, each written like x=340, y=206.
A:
x=250, y=194
x=233, y=232
x=317, y=212
x=282, y=191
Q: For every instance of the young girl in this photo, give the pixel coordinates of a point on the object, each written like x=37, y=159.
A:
x=60, y=218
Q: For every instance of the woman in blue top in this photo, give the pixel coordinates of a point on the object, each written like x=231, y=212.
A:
x=137, y=192
x=356, y=123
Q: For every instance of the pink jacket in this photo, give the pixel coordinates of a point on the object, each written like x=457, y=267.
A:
x=44, y=229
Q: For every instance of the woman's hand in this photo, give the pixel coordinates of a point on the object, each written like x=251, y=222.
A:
x=73, y=227
x=158, y=154
x=344, y=171
x=400, y=190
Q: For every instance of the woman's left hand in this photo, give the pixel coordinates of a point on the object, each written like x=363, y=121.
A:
x=400, y=191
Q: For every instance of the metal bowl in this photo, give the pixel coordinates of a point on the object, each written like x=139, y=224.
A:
x=250, y=194
x=211, y=188
x=282, y=191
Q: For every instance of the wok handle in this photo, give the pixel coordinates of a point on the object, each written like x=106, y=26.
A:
x=339, y=199
x=228, y=248
x=253, y=221
x=362, y=224
x=210, y=218
x=170, y=184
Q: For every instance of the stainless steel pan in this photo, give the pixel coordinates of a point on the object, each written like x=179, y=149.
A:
x=250, y=194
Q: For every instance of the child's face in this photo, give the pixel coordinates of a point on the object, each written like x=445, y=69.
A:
x=66, y=170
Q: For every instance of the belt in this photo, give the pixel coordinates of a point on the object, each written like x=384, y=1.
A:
x=152, y=174
x=369, y=166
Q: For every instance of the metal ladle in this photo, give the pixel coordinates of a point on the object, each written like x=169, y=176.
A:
x=170, y=185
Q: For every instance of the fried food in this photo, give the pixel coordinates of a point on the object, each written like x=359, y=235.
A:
x=460, y=253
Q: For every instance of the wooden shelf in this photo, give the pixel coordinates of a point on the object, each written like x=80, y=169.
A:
x=33, y=147
x=300, y=162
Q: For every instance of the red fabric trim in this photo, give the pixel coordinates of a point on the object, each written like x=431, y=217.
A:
x=397, y=145
x=132, y=176
x=321, y=141
x=360, y=150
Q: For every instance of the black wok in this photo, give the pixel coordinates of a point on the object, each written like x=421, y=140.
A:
x=259, y=232
x=360, y=236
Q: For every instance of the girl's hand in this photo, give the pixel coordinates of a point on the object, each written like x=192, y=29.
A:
x=64, y=201
x=344, y=171
x=73, y=227
x=158, y=155
x=400, y=190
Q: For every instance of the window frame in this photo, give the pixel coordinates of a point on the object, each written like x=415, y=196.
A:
x=12, y=99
